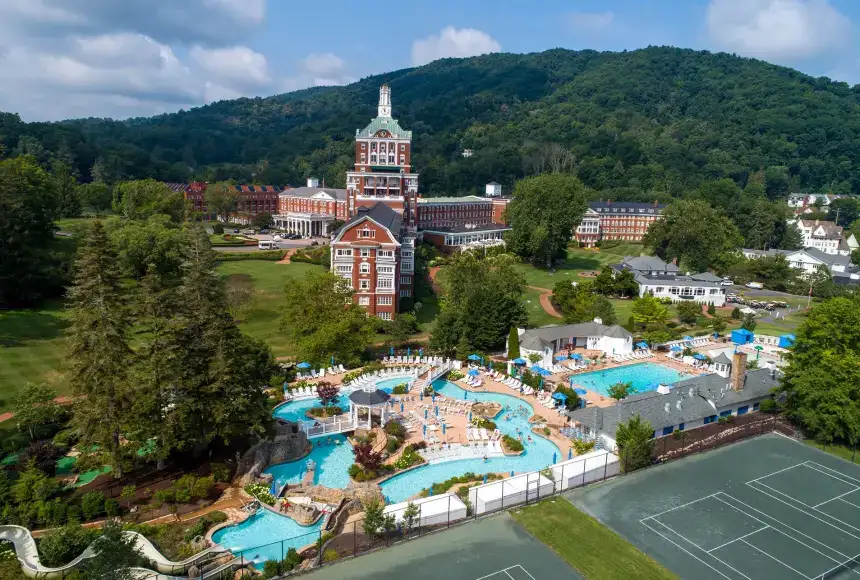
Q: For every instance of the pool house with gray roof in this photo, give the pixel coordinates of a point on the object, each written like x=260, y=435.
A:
x=666, y=280
x=546, y=341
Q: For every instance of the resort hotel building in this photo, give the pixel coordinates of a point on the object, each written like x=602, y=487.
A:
x=687, y=404
x=665, y=280
x=616, y=220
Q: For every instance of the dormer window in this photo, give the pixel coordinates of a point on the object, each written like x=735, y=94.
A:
x=366, y=233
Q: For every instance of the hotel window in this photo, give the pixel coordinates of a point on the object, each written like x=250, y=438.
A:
x=364, y=268
x=391, y=159
x=386, y=254
x=364, y=300
x=373, y=157
x=384, y=300
x=658, y=290
x=402, y=159
x=403, y=147
x=366, y=233
x=405, y=280
x=405, y=293
x=385, y=315
x=344, y=252
x=673, y=290
x=700, y=291
x=385, y=283
x=385, y=270
x=373, y=146
x=364, y=146
x=344, y=269
x=364, y=284
x=363, y=157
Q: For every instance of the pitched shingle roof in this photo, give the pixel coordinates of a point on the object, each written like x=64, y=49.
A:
x=381, y=214
x=338, y=194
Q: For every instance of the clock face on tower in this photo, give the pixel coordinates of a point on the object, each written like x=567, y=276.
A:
x=383, y=133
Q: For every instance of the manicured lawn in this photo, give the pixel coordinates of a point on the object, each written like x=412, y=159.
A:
x=837, y=449
x=537, y=315
x=578, y=261
x=31, y=350
x=267, y=280
x=232, y=240
x=591, y=548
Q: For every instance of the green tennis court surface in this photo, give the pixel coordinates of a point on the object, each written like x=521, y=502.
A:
x=495, y=548
x=765, y=509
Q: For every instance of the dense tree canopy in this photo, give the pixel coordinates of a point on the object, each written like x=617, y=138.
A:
x=543, y=214
x=648, y=123
x=581, y=303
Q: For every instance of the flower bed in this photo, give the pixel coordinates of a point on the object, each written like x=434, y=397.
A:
x=261, y=492
x=511, y=445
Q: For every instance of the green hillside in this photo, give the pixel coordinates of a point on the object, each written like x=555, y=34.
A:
x=655, y=122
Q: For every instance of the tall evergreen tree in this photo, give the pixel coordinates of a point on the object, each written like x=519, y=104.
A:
x=98, y=347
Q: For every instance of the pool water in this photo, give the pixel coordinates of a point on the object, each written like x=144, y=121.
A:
x=252, y=537
x=333, y=455
x=644, y=376
x=538, y=455
x=295, y=410
x=388, y=385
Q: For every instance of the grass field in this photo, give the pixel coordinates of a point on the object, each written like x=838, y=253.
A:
x=537, y=315
x=267, y=280
x=591, y=548
x=578, y=261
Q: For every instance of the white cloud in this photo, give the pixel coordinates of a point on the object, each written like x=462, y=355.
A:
x=324, y=69
x=777, y=29
x=237, y=64
x=590, y=22
x=453, y=42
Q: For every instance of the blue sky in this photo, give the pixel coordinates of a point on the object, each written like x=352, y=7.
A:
x=72, y=58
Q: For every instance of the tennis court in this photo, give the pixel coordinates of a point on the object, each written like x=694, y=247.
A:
x=764, y=509
x=496, y=548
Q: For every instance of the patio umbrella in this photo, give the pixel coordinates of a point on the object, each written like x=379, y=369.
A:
x=540, y=383
x=570, y=453
x=465, y=395
x=430, y=491
x=470, y=416
x=580, y=391
x=303, y=365
x=421, y=395
x=420, y=352
x=560, y=397
x=676, y=348
x=332, y=360
x=716, y=335
x=473, y=373
x=758, y=349
x=473, y=357
x=512, y=472
x=560, y=357
x=491, y=365
x=443, y=428
x=436, y=410
x=519, y=361
x=401, y=406
x=576, y=356
x=642, y=344
x=433, y=397
x=391, y=351
x=424, y=428
x=688, y=338
x=485, y=478
x=426, y=412
x=408, y=351
x=699, y=356
x=553, y=457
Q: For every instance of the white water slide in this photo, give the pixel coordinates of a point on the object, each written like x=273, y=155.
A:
x=164, y=569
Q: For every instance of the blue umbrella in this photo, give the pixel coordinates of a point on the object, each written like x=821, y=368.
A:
x=424, y=427
x=303, y=365
x=465, y=395
x=473, y=373
x=576, y=356
x=570, y=453
x=420, y=352
x=421, y=395
x=540, y=383
x=430, y=491
x=553, y=457
x=433, y=397
x=491, y=365
x=443, y=428
x=408, y=351
x=559, y=396
x=688, y=338
x=519, y=361
x=285, y=385
x=332, y=360
x=470, y=416
x=426, y=412
x=675, y=348
x=391, y=351
x=560, y=357
x=699, y=356
x=716, y=335
x=401, y=406
x=580, y=391
x=642, y=344
x=436, y=410
x=473, y=357
x=485, y=478
x=512, y=472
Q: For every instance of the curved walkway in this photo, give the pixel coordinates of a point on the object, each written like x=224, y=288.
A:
x=28, y=555
x=545, y=301
x=288, y=256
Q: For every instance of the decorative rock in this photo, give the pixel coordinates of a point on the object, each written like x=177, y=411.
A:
x=194, y=572
x=243, y=573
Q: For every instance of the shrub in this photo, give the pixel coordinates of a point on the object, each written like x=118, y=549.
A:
x=408, y=458
x=92, y=504
x=165, y=495
x=203, y=487
x=455, y=375
x=768, y=406
x=218, y=229
x=392, y=445
x=354, y=470
x=480, y=422
x=395, y=428
x=111, y=508
x=271, y=569
x=546, y=431
x=330, y=555
x=220, y=472
x=265, y=255
x=59, y=547
x=325, y=411
x=261, y=492
x=400, y=389
x=736, y=313
x=512, y=444
x=582, y=447
x=216, y=517
x=428, y=391
x=712, y=309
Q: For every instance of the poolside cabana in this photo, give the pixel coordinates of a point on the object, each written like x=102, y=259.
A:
x=742, y=336
x=433, y=510
x=369, y=400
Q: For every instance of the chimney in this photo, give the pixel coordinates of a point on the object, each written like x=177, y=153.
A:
x=313, y=182
x=739, y=371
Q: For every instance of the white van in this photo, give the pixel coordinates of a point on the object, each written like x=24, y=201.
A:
x=267, y=245
x=755, y=285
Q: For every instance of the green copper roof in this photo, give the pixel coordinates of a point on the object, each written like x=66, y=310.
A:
x=380, y=123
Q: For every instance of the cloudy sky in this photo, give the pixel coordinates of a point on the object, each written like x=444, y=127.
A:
x=124, y=58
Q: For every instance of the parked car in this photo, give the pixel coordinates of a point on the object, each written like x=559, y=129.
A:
x=267, y=245
x=264, y=231
x=755, y=285
x=236, y=231
x=277, y=237
x=727, y=282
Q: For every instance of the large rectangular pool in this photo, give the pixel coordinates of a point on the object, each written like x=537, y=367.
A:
x=644, y=376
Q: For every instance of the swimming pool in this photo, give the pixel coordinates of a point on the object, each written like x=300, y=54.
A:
x=295, y=410
x=251, y=538
x=644, y=376
x=332, y=455
x=539, y=453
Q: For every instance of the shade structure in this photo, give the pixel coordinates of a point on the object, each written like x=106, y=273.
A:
x=465, y=395
x=742, y=336
x=303, y=365
x=426, y=412
x=580, y=391
x=786, y=340
x=368, y=398
x=436, y=410
x=759, y=347
x=408, y=351
x=560, y=357
x=401, y=406
x=519, y=361
x=559, y=397
x=332, y=360
x=470, y=416
x=570, y=453
x=699, y=356
x=688, y=338
x=473, y=372
x=474, y=357
x=642, y=344
x=541, y=371
x=554, y=458
x=424, y=429
x=675, y=348
x=576, y=356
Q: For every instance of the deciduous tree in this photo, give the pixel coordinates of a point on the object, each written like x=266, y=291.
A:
x=222, y=200
x=649, y=310
x=621, y=390
x=139, y=200
x=34, y=406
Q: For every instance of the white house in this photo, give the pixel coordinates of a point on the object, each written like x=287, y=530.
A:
x=808, y=199
x=493, y=189
x=665, y=280
x=808, y=260
x=822, y=235
x=548, y=340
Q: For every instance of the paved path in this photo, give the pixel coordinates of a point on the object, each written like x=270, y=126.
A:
x=545, y=301
x=288, y=255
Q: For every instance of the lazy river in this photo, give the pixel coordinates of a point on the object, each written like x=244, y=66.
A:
x=266, y=536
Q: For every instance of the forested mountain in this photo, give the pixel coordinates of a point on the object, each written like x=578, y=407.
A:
x=649, y=123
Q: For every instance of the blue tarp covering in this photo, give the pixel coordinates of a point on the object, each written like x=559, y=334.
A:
x=787, y=340
x=642, y=344
x=675, y=348
x=519, y=361
x=742, y=336
x=699, y=356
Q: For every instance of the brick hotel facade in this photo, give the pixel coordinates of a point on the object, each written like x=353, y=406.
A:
x=616, y=220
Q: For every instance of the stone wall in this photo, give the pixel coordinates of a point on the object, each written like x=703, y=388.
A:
x=289, y=444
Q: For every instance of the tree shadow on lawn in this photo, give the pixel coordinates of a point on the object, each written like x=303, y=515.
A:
x=18, y=326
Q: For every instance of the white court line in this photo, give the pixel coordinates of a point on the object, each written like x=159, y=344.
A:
x=776, y=529
x=505, y=572
x=703, y=550
x=824, y=574
x=833, y=470
x=526, y=572
x=737, y=539
x=676, y=508
x=680, y=547
x=774, y=473
x=840, y=496
x=807, y=513
x=508, y=575
x=849, y=503
x=791, y=497
x=833, y=476
x=775, y=559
